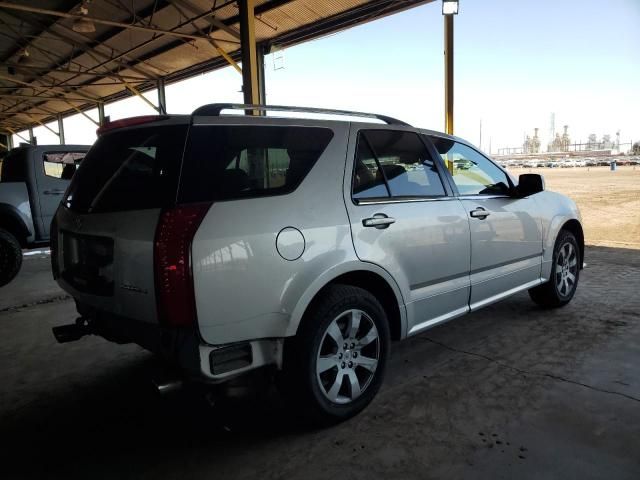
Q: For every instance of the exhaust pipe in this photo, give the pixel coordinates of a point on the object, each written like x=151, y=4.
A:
x=72, y=331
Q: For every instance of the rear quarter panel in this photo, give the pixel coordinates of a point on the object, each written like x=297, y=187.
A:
x=243, y=288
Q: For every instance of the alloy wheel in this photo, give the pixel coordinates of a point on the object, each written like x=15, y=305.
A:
x=566, y=269
x=348, y=356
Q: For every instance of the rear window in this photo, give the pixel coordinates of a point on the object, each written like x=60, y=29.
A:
x=129, y=170
x=229, y=162
x=14, y=167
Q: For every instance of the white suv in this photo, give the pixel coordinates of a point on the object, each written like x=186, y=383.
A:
x=226, y=243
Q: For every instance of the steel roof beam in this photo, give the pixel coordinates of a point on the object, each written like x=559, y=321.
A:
x=111, y=23
x=89, y=46
x=89, y=72
x=213, y=21
x=39, y=97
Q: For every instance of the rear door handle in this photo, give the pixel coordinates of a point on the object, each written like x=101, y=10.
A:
x=53, y=192
x=379, y=220
x=479, y=213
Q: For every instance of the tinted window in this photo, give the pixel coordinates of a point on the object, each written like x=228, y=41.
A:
x=396, y=163
x=368, y=181
x=129, y=170
x=473, y=173
x=14, y=166
x=61, y=164
x=227, y=162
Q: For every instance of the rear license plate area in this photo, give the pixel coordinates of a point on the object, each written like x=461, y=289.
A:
x=88, y=263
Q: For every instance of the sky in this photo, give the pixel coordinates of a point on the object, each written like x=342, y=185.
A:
x=516, y=63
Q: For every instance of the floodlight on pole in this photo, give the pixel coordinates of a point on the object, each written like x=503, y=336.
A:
x=450, y=7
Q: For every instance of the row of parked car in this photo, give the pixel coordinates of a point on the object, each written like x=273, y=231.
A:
x=283, y=247
x=571, y=163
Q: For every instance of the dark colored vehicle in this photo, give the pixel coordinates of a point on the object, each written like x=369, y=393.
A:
x=32, y=182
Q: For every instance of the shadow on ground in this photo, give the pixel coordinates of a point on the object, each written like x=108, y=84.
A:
x=509, y=392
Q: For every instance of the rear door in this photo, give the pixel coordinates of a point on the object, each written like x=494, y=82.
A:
x=405, y=220
x=108, y=220
x=506, y=232
x=53, y=171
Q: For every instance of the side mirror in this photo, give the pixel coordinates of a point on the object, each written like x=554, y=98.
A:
x=528, y=184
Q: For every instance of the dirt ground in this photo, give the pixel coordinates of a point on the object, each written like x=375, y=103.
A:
x=511, y=391
x=609, y=201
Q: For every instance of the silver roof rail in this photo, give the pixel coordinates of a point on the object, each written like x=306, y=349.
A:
x=214, y=109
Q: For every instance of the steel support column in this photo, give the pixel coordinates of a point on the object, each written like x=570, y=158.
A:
x=10, y=141
x=32, y=139
x=101, y=114
x=162, y=99
x=262, y=91
x=250, y=84
x=448, y=74
x=61, y=129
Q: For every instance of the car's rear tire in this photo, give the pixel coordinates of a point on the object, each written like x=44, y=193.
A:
x=10, y=257
x=335, y=364
x=565, y=274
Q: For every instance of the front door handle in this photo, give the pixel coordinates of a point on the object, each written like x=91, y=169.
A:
x=479, y=213
x=53, y=192
x=379, y=221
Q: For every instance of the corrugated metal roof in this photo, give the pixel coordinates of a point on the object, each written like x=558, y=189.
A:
x=47, y=68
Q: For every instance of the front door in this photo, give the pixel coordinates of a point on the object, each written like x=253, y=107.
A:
x=506, y=235
x=404, y=220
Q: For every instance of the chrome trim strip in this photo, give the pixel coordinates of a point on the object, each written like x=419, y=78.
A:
x=508, y=293
x=438, y=320
x=402, y=200
x=482, y=197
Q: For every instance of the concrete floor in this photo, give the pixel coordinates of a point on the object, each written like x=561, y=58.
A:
x=509, y=392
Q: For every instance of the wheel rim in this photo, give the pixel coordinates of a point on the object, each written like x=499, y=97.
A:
x=348, y=356
x=566, y=269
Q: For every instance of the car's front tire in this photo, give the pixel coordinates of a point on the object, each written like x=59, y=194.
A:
x=565, y=273
x=335, y=364
x=10, y=257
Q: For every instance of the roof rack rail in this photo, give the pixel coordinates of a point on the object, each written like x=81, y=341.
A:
x=214, y=110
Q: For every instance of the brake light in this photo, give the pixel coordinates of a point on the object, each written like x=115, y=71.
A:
x=129, y=122
x=172, y=259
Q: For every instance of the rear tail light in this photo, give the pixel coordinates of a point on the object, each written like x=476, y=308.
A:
x=172, y=258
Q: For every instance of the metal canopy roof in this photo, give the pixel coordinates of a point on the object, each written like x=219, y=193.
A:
x=48, y=69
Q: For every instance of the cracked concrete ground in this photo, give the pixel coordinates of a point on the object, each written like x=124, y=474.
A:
x=509, y=392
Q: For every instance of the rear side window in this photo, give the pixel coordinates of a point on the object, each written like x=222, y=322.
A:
x=229, y=162
x=129, y=170
x=394, y=163
x=14, y=167
x=61, y=165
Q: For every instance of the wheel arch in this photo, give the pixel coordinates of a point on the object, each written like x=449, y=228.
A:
x=366, y=276
x=10, y=221
x=575, y=228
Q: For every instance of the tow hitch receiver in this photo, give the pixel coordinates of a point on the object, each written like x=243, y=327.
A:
x=72, y=331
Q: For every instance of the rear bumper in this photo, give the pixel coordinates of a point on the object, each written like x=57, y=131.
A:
x=184, y=349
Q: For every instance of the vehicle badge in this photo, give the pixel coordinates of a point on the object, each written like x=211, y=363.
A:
x=78, y=222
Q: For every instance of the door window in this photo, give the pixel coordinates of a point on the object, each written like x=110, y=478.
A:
x=392, y=163
x=61, y=164
x=473, y=173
